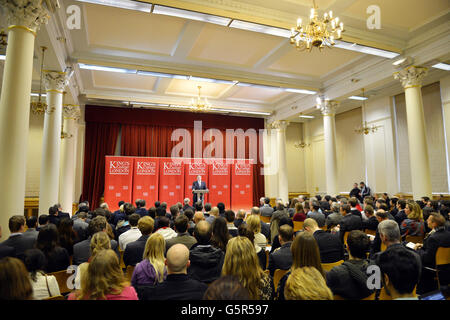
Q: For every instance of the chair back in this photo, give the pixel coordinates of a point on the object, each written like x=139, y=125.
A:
x=328, y=266
x=265, y=219
x=58, y=297
x=371, y=232
x=414, y=239
x=279, y=273
x=62, y=277
x=442, y=256
x=298, y=225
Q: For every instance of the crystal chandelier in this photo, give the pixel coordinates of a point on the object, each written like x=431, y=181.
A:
x=319, y=32
x=200, y=104
x=301, y=145
x=40, y=107
x=364, y=128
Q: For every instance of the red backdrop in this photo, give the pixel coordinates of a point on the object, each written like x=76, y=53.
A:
x=192, y=169
x=171, y=181
x=118, y=180
x=146, y=180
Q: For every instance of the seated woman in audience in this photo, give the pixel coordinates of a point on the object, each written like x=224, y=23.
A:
x=307, y=283
x=413, y=225
x=151, y=270
x=104, y=280
x=226, y=288
x=220, y=234
x=241, y=261
x=244, y=231
x=299, y=213
x=99, y=241
x=47, y=241
x=305, y=253
x=254, y=225
x=44, y=286
x=15, y=281
x=67, y=236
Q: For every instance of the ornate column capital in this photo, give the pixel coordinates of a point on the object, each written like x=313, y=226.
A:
x=55, y=81
x=71, y=111
x=28, y=14
x=279, y=124
x=411, y=76
x=328, y=107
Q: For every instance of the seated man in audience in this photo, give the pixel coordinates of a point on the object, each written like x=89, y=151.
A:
x=135, y=250
x=401, y=214
x=43, y=220
x=371, y=223
x=164, y=228
x=178, y=285
x=80, y=226
x=375, y=246
x=229, y=217
x=281, y=258
x=316, y=214
x=16, y=239
x=265, y=227
x=206, y=260
x=82, y=250
x=132, y=234
x=187, y=205
x=349, y=280
x=5, y=250
x=32, y=224
x=183, y=237
x=160, y=213
x=400, y=272
x=208, y=208
x=140, y=207
x=353, y=202
x=334, y=218
x=213, y=214
x=240, y=216
x=349, y=222
x=330, y=246
x=174, y=212
x=266, y=210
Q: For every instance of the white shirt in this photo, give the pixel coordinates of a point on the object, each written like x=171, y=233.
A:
x=40, y=290
x=129, y=236
x=167, y=233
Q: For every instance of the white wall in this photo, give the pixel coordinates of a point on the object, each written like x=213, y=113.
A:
x=295, y=158
x=34, y=155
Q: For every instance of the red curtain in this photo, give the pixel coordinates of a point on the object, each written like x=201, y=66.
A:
x=101, y=139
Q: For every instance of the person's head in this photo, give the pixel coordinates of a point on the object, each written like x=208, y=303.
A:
x=82, y=215
x=164, y=205
x=53, y=210
x=99, y=241
x=199, y=178
x=186, y=201
x=261, y=201
x=255, y=211
x=157, y=204
x=203, y=232
x=240, y=215
x=285, y=234
x=152, y=212
x=198, y=206
x=65, y=230
x=221, y=207
x=355, y=185
x=220, y=234
x=413, y=211
x=310, y=225
x=241, y=261
x=177, y=259
x=345, y=209
x=358, y=244
x=244, y=231
x=47, y=239
x=298, y=207
x=189, y=213
x=104, y=206
x=128, y=208
x=401, y=204
x=174, y=211
x=400, y=271
x=307, y=283
x=15, y=282
x=43, y=219
x=379, y=202
x=181, y=224
x=214, y=212
x=335, y=207
x=83, y=207
x=160, y=211
x=389, y=232
x=35, y=261
x=368, y=211
x=133, y=219
x=435, y=220
x=226, y=288
x=164, y=222
x=254, y=223
x=305, y=252
x=229, y=216
x=32, y=222
x=140, y=203
x=97, y=224
x=266, y=200
x=381, y=215
x=362, y=184
x=146, y=225
x=154, y=252
x=198, y=216
x=353, y=202
x=208, y=207
x=16, y=224
x=104, y=276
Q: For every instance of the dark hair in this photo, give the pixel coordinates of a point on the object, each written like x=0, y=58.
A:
x=346, y=207
x=15, y=223
x=174, y=211
x=286, y=232
x=221, y=207
x=32, y=221
x=315, y=206
x=198, y=206
x=368, y=209
x=207, y=207
x=230, y=215
x=66, y=234
x=163, y=222
x=140, y=203
x=358, y=243
x=15, y=283
x=383, y=206
x=327, y=198
x=220, y=234
x=181, y=223
x=160, y=211
x=164, y=205
x=401, y=203
x=318, y=197
x=438, y=218
x=244, y=231
x=99, y=212
x=402, y=268
x=201, y=234
x=226, y=288
x=285, y=220
x=133, y=219
x=128, y=208
x=35, y=261
x=97, y=224
x=47, y=239
x=157, y=204
x=353, y=202
x=43, y=219
x=382, y=214
x=121, y=202
x=152, y=212
x=53, y=210
x=266, y=200
x=189, y=213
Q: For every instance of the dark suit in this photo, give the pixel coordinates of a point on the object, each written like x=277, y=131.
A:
x=371, y=223
x=175, y=287
x=265, y=229
x=280, y=258
x=266, y=211
x=197, y=186
x=20, y=244
x=57, y=260
x=183, y=238
x=330, y=246
x=31, y=233
x=6, y=251
x=134, y=251
x=400, y=216
x=206, y=263
x=56, y=219
x=439, y=238
x=82, y=251
x=142, y=212
x=348, y=223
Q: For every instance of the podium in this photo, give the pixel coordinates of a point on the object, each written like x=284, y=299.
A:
x=200, y=195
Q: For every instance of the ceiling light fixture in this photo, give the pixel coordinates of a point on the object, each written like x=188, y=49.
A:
x=303, y=91
x=364, y=128
x=256, y=27
x=123, y=4
x=306, y=117
x=358, y=98
x=200, y=104
x=40, y=107
x=364, y=49
x=103, y=68
x=442, y=66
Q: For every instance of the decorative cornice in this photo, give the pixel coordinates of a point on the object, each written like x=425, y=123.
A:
x=328, y=107
x=55, y=81
x=279, y=124
x=28, y=14
x=71, y=112
x=411, y=77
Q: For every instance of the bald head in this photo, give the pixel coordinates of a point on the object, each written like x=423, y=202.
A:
x=240, y=214
x=177, y=260
x=198, y=216
x=255, y=210
x=310, y=225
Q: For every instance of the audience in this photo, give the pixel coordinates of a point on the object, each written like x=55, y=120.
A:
x=401, y=215
x=16, y=239
x=266, y=209
x=349, y=222
x=307, y=283
x=213, y=214
x=254, y=225
x=67, y=236
x=183, y=237
x=276, y=242
x=265, y=227
x=134, y=251
x=15, y=282
x=226, y=288
x=42, y=220
x=335, y=217
x=244, y=231
x=80, y=226
x=371, y=223
x=281, y=258
x=220, y=234
x=330, y=246
x=413, y=225
x=275, y=220
x=57, y=257
x=240, y=216
x=32, y=224
x=316, y=215
x=131, y=234
x=151, y=270
x=299, y=214
x=229, y=217
x=164, y=229
x=140, y=208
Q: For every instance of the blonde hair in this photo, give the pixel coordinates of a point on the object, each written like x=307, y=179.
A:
x=99, y=241
x=241, y=261
x=154, y=252
x=307, y=283
x=103, y=277
x=305, y=252
x=146, y=225
x=416, y=212
x=254, y=223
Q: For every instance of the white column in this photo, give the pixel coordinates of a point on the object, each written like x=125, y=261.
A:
x=71, y=114
x=23, y=19
x=55, y=82
x=283, y=186
x=411, y=79
x=328, y=109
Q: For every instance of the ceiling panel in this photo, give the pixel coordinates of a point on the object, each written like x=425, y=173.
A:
x=190, y=88
x=255, y=94
x=106, y=79
x=132, y=30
